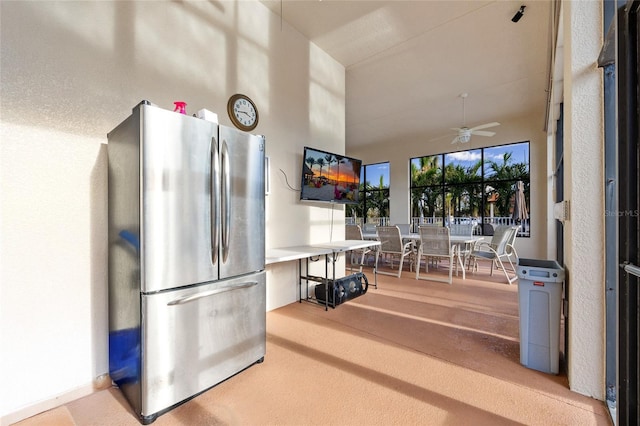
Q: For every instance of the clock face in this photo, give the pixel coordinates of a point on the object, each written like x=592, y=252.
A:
x=242, y=112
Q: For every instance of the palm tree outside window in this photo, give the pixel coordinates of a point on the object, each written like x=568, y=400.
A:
x=476, y=185
x=374, y=190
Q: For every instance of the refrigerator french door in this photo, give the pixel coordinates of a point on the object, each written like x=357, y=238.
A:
x=186, y=256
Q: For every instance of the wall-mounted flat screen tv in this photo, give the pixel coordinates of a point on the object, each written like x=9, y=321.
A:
x=330, y=177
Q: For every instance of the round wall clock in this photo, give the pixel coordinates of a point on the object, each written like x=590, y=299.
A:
x=242, y=112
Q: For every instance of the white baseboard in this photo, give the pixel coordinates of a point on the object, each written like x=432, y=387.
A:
x=102, y=382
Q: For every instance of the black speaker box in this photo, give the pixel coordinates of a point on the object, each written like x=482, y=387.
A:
x=343, y=289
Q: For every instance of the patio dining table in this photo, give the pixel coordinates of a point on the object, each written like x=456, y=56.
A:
x=459, y=240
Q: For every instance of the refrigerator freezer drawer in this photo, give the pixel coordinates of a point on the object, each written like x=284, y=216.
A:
x=197, y=337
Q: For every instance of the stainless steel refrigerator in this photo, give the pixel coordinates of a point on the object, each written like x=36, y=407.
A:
x=187, y=299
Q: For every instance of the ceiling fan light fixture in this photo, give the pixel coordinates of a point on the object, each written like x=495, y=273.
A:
x=464, y=135
x=518, y=14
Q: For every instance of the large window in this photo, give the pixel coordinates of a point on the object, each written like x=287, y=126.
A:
x=374, y=191
x=477, y=185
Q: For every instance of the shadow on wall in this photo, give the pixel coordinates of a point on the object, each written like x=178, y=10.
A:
x=99, y=268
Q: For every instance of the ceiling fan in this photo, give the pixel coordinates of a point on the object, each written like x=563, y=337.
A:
x=464, y=132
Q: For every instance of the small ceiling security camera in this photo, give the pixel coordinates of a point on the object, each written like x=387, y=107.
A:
x=518, y=14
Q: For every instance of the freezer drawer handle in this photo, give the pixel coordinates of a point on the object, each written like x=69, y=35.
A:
x=197, y=296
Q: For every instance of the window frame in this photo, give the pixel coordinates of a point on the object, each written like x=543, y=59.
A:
x=456, y=190
x=369, y=193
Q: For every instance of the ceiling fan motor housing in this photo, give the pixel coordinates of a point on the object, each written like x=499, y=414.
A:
x=464, y=135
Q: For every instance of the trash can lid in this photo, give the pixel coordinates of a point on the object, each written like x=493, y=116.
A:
x=540, y=270
x=537, y=263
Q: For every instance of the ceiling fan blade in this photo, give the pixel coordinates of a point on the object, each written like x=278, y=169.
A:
x=448, y=135
x=486, y=126
x=457, y=129
x=455, y=140
x=482, y=133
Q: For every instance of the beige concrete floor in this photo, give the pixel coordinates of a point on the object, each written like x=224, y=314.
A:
x=408, y=353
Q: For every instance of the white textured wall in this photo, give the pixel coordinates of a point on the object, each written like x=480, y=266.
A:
x=520, y=130
x=320, y=123
x=70, y=72
x=584, y=188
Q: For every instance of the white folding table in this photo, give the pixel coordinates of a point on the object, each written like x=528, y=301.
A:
x=308, y=252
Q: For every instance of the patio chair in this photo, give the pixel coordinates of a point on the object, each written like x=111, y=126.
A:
x=354, y=232
x=392, y=246
x=369, y=228
x=464, y=230
x=487, y=229
x=433, y=261
x=435, y=243
x=501, y=247
x=405, y=228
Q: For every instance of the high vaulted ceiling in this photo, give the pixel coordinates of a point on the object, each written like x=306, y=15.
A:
x=407, y=62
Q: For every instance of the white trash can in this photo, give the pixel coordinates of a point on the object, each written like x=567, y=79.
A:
x=540, y=306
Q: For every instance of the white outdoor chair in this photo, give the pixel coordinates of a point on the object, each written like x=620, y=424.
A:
x=392, y=246
x=405, y=228
x=465, y=230
x=354, y=232
x=434, y=261
x=501, y=247
x=369, y=227
x=435, y=243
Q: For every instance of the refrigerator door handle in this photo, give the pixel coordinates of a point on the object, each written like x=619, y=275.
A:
x=197, y=296
x=215, y=189
x=226, y=202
